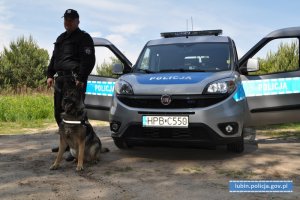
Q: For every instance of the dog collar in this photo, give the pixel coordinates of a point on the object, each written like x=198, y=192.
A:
x=72, y=122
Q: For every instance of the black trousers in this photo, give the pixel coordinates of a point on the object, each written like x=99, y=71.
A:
x=59, y=95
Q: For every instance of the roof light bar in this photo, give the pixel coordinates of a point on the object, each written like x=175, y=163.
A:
x=191, y=33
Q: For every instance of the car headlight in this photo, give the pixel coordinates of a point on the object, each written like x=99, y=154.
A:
x=122, y=87
x=226, y=86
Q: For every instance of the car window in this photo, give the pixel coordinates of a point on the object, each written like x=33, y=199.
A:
x=193, y=56
x=105, y=59
x=278, y=56
x=145, y=60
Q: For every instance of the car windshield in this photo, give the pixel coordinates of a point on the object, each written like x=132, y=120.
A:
x=185, y=57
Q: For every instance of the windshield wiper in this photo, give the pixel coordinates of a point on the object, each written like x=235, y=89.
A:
x=181, y=70
x=145, y=70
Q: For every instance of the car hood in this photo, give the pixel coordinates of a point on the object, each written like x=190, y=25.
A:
x=173, y=83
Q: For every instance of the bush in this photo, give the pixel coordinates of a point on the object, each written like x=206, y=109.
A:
x=23, y=65
x=286, y=58
x=105, y=69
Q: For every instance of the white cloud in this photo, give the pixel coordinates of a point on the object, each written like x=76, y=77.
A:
x=5, y=27
x=96, y=34
x=132, y=55
x=107, y=5
x=126, y=29
x=116, y=39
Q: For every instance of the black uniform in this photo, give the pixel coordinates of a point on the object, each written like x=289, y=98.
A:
x=74, y=53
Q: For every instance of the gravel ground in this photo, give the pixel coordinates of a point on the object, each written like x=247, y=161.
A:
x=143, y=172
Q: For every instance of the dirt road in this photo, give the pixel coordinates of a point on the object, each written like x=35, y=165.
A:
x=143, y=172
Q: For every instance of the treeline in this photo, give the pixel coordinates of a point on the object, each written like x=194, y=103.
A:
x=105, y=69
x=23, y=65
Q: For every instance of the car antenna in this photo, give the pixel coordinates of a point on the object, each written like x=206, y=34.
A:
x=192, y=23
x=187, y=27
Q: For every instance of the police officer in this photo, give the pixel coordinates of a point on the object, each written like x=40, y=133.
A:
x=73, y=54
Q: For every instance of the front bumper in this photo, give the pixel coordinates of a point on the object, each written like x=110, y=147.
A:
x=204, y=123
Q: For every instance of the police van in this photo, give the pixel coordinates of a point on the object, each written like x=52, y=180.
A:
x=191, y=88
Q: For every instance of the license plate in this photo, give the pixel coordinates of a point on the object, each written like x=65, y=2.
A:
x=166, y=121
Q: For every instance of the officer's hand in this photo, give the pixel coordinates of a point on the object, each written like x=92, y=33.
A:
x=79, y=84
x=50, y=82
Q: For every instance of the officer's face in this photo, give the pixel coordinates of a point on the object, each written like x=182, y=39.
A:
x=71, y=24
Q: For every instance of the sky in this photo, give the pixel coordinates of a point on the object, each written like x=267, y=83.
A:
x=129, y=24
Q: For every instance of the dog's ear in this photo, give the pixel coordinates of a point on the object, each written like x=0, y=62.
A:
x=72, y=84
x=68, y=84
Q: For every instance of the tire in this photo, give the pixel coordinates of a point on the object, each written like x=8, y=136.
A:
x=121, y=143
x=249, y=134
x=236, y=147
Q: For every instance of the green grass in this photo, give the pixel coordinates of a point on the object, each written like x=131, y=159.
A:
x=23, y=113
x=25, y=108
x=283, y=130
x=295, y=126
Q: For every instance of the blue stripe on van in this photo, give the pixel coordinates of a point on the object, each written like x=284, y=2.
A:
x=240, y=93
x=173, y=78
x=102, y=88
x=271, y=86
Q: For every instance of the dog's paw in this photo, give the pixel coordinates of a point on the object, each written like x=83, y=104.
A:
x=104, y=150
x=54, y=167
x=95, y=161
x=79, y=168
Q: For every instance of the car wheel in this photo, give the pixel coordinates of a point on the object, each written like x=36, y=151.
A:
x=121, y=143
x=236, y=147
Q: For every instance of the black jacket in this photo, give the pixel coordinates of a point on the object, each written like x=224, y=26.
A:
x=73, y=51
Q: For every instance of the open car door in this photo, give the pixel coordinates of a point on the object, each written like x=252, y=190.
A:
x=99, y=90
x=273, y=92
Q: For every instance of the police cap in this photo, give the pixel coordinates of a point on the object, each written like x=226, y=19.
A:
x=70, y=13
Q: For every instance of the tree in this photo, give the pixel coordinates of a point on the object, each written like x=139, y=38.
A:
x=286, y=58
x=105, y=69
x=23, y=64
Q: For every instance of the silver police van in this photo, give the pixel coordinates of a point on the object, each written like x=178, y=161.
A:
x=191, y=88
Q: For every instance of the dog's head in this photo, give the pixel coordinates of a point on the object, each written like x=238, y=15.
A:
x=72, y=102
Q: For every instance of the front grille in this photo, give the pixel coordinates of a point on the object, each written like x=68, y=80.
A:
x=178, y=101
x=194, y=132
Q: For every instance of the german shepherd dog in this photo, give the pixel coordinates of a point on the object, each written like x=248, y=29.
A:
x=75, y=131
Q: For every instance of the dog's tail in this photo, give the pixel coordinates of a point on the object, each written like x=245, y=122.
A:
x=104, y=150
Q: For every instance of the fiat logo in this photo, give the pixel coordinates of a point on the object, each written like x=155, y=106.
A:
x=165, y=99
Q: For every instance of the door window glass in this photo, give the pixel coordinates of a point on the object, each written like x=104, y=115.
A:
x=105, y=59
x=279, y=55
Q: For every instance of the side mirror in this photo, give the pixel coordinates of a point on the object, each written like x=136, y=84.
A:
x=117, y=69
x=252, y=65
